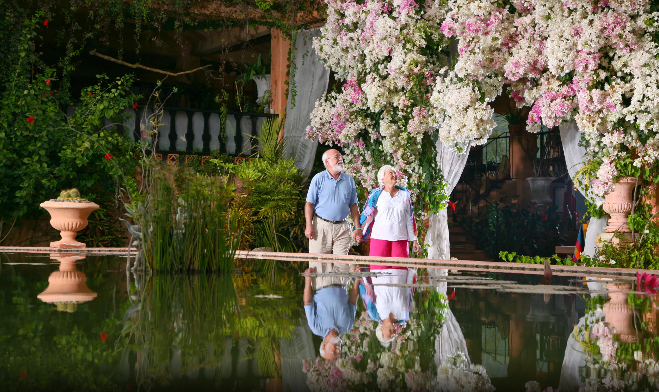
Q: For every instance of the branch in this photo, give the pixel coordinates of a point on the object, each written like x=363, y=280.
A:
x=94, y=53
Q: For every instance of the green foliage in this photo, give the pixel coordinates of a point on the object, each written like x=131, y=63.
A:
x=45, y=350
x=554, y=260
x=274, y=193
x=511, y=228
x=43, y=149
x=187, y=224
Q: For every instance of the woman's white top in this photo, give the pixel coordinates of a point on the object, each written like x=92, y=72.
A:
x=393, y=221
x=392, y=299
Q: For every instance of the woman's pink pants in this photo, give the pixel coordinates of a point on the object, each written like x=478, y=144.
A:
x=384, y=248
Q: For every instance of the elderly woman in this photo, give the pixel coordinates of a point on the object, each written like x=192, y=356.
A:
x=388, y=221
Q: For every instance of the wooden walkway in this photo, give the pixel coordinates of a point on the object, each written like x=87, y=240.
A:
x=462, y=265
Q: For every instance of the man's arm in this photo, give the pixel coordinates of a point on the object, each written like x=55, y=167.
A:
x=354, y=293
x=354, y=212
x=307, y=297
x=308, y=216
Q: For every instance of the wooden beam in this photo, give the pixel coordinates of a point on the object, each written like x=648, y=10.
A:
x=216, y=41
x=278, y=66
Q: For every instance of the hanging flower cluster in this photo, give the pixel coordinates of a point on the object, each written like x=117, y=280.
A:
x=593, y=62
x=388, y=53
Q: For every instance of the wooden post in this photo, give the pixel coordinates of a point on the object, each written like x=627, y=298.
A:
x=279, y=47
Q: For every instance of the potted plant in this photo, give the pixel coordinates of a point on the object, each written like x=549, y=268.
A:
x=259, y=72
x=68, y=214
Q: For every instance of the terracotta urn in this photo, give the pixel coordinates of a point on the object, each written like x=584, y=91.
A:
x=69, y=218
x=67, y=287
x=618, y=204
x=618, y=313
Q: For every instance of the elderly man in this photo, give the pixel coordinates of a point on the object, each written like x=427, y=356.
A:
x=332, y=195
x=330, y=312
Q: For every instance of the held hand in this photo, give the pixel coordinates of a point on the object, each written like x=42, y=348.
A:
x=416, y=248
x=357, y=235
x=307, y=279
x=308, y=232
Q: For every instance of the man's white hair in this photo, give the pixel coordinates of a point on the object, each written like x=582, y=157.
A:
x=380, y=336
x=324, y=157
x=333, y=339
x=383, y=171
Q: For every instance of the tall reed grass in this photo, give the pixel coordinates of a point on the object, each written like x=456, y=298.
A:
x=187, y=222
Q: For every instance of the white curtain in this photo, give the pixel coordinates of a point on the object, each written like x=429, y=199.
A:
x=450, y=340
x=293, y=351
x=311, y=79
x=451, y=164
x=574, y=158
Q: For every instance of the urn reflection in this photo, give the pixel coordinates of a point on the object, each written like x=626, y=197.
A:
x=618, y=312
x=67, y=287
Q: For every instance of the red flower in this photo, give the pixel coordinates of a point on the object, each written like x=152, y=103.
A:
x=647, y=282
x=104, y=336
x=135, y=106
x=108, y=156
x=513, y=210
x=90, y=93
x=451, y=296
x=128, y=387
x=45, y=22
x=23, y=374
x=452, y=204
x=30, y=120
x=544, y=216
x=47, y=81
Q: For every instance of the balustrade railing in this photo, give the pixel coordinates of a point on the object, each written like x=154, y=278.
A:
x=194, y=131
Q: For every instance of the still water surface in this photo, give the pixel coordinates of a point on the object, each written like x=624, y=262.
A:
x=85, y=325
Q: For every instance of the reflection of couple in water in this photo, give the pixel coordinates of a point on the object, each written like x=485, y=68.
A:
x=387, y=220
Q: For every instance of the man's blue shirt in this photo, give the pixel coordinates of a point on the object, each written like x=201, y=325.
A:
x=332, y=198
x=330, y=309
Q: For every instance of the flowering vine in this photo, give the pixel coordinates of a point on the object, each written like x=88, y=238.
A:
x=388, y=53
x=591, y=62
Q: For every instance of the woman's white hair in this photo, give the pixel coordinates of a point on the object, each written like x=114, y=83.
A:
x=380, y=336
x=383, y=171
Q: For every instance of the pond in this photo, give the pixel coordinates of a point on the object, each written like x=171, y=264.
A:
x=83, y=323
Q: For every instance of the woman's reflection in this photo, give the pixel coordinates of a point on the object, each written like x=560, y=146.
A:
x=388, y=299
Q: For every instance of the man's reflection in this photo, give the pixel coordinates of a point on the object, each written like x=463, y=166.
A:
x=387, y=303
x=331, y=310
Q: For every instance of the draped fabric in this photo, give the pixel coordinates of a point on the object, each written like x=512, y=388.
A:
x=451, y=163
x=574, y=158
x=450, y=340
x=293, y=351
x=311, y=79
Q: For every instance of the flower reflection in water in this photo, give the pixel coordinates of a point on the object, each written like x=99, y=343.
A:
x=407, y=364
x=621, y=350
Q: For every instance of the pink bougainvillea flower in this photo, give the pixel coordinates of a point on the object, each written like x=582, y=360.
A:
x=47, y=81
x=108, y=156
x=647, y=282
x=30, y=120
x=23, y=374
x=104, y=336
x=135, y=105
x=544, y=216
x=45, y=22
